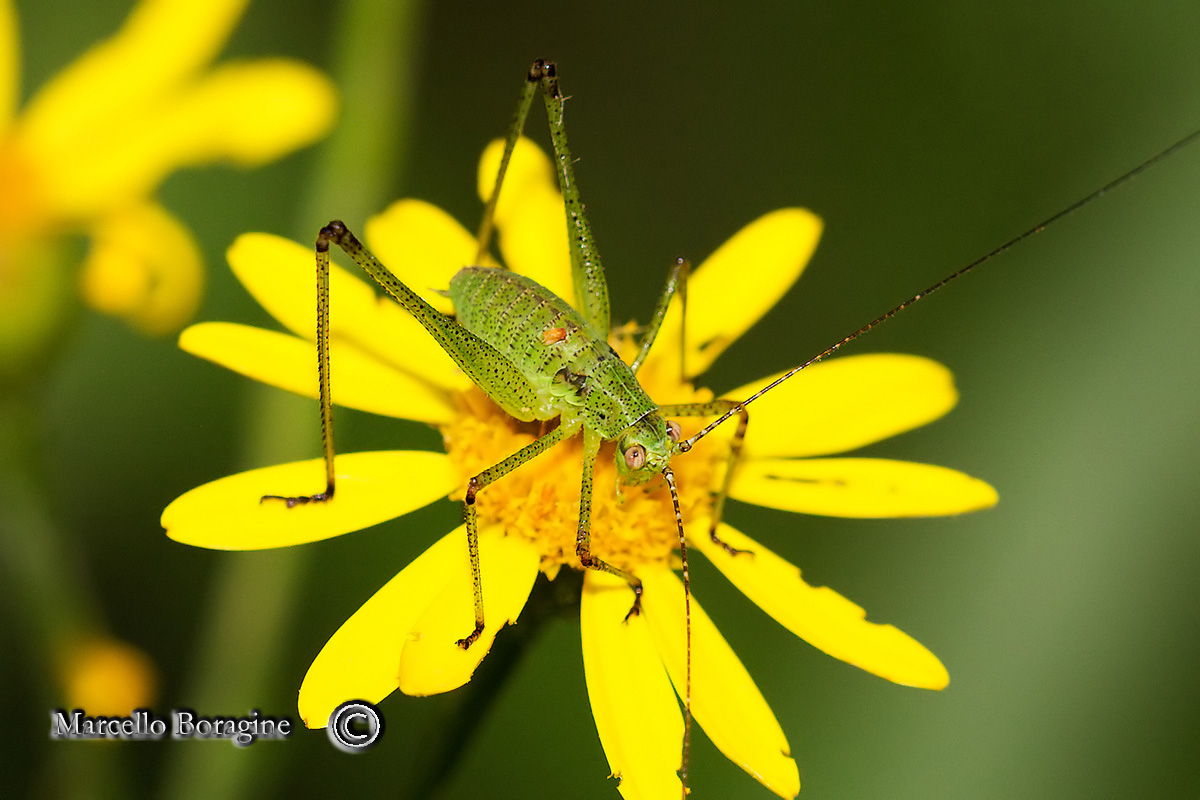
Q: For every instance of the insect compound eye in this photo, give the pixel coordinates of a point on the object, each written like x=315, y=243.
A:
x=673, y=430
x=635, y=457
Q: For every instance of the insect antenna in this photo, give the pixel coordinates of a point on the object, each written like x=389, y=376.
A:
x=686, y=445
x=687, y=617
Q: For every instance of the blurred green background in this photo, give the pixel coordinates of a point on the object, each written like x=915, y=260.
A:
x=924, y=135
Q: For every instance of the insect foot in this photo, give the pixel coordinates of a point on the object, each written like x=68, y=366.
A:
x=471, y=639
x=302, y=500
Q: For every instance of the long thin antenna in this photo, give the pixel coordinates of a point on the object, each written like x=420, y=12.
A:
x=684, y=446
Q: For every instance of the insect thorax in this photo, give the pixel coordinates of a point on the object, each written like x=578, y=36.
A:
x=569, y=365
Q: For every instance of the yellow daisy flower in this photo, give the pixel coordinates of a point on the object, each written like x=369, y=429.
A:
x=382, y=361
x=91, y=146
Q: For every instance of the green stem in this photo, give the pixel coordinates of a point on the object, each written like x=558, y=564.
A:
x=47, y=592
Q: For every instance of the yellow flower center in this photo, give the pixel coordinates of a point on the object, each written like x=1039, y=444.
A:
x=631, y=525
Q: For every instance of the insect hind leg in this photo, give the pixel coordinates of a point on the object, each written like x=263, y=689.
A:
x=322, y=256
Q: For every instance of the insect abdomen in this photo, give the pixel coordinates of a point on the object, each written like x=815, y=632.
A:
x=552, y=345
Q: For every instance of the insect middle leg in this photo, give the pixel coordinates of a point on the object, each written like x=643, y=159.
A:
x=583, y=538
x=476, y=485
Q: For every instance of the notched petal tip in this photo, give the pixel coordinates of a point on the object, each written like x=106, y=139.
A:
x=361, y=660
x=821, y=616
x=725, y=700
x=432, y=661
x=637, y=716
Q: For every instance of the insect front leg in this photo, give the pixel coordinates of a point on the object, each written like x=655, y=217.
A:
x=676, y=282
x=483, y=237
x=583, y=538
x=474, y=486
x=712, y=409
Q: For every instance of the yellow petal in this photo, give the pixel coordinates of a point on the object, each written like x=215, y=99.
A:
x=10, y=64
x=530, y=217
x=289, y=362
x=846, y=403
x=249, y=113
x=725, y=700
x=228, y=514
x=821, y=616
x=423, y=246
x=735, y=286
x=281, y=275
x=361, y=661
x=162, y=43
x=432, y=661
x=144, y=266
x=632, y=701
x=859, y=487
x=529, y=166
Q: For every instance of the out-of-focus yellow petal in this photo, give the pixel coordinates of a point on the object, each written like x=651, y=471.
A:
x=106, y=676
x=839, y=405
x=248, y=113
x=432, y=662
x=361, y=661
x=735, y=286
x=281, y=275
x=10, y=64
x=821, y=616
x=529, y=166
x=861, y=488
x=289, y=362
x=144, y=266
x=530, y=218
x=725, y=700
x=423, y=246
x=162, y=43
x=229, y=514
x=632, y=702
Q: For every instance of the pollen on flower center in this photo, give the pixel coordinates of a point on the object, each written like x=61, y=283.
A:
x=631, y=525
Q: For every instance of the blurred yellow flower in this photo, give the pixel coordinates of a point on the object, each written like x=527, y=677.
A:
x=106, y=677
x=382, y=361
x=90, y=148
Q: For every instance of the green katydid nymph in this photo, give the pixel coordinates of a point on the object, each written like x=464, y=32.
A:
x=546, y=372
